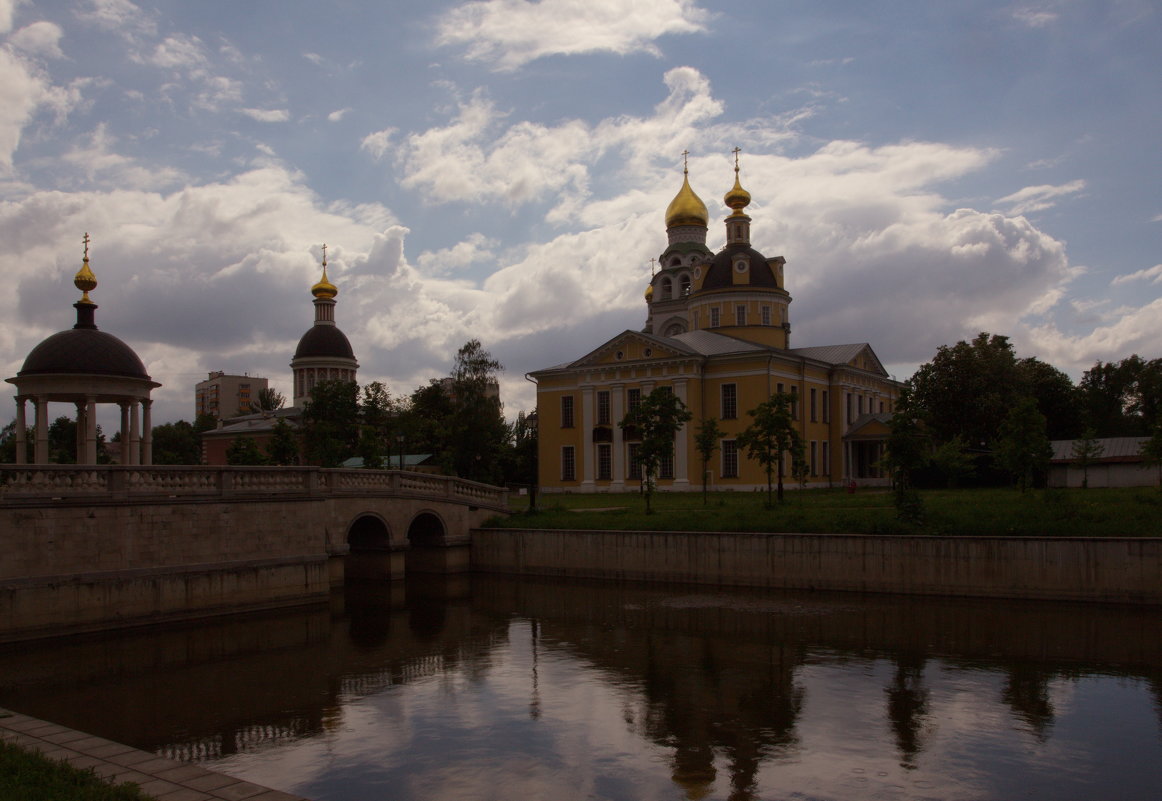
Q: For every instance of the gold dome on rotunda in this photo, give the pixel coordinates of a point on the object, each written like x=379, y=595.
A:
x=649, y=292
x=686, y=208
x=324, y=290
x=84, y=280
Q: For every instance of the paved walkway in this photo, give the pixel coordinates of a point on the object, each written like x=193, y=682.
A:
x=163, y=779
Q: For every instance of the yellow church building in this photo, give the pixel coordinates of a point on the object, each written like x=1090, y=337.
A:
x=718, y=334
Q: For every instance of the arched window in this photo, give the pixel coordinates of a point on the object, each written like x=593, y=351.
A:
x=684, y=284
x=667, y=288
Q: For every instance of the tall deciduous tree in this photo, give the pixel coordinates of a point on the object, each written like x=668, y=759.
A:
x=706, y=439
x=176, y=443
x=1123, y=399
x=477, y=432
x=1023, y=447
x=268, y=399
x=330, y=423
x=283, y=448
x=1151, y=452
x=770, y=435
x=657, y=420
x=1085, y=451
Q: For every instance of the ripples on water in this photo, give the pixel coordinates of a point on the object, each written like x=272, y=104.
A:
x=493, y=688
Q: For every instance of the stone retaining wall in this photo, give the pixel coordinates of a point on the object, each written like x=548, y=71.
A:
x=1124, y=570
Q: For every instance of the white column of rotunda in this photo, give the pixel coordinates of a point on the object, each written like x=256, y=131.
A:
x=85, y=367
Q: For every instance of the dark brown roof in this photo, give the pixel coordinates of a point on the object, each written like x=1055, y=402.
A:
x=83, y=351
x=324, y=340
x=720, y=272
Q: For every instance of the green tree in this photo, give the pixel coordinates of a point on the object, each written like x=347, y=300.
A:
x=376, y=412
x=1122, y=399
x=283, y=448
x=907, y=452
x=268, y=399
x=520, y=461
x=1057, y=398
x=477, y=434
x=1022, y=446
x=953, y=460
x=176, y=443
x=706, y=439
x=657, y=419
x=1085, y=451
x=330, y=423
x=244, y=451
x=1151, y=452
x=770, y=435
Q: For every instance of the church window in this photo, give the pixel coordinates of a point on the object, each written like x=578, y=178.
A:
x=566, y=411
x=766, y=315
x=826, y=408
x=740, y=315
x=667, y=288
x=729, y=401
x=568, y=463
x=604, y=462
x=635, y=466
x=674, y=262
x=729, y=458
x=603, y=408
x=633, y=399
x=813, y=416
x=814, y=455
x=684, y=284
x=714, y=321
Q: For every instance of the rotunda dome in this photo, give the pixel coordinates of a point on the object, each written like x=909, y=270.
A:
x=325, y=341
x=83, y=351
x=720, y=271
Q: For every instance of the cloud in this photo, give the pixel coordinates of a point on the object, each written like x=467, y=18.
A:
x=1035, y=17
x=1039, y=198
x=175, y=52
x=335, y=116
x=266, y=115
x=475, y=249
x=25, y=89
x=38, y=39
x=119, y=16
x=378, y=143
x=7, y=9
x=511, y=33
x=1151, y=274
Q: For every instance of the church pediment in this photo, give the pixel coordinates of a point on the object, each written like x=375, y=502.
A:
x=631, y=346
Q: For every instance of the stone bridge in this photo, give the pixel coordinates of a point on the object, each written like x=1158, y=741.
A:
x=84, y=548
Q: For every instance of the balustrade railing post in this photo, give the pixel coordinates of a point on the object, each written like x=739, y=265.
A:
x=118, y=486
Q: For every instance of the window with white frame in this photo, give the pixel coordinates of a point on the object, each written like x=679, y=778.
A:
x=603, y=407
x=740, y=315
x=566, y=411
x=729, y=410
x=604, y=462
x=729, y=458
x=568, y=463
x=714, y=317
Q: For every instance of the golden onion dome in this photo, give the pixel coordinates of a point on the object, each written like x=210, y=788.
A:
x=324, y=290
x=84, y=280
x=649, y=293
x=737, y=198
x=686, y=208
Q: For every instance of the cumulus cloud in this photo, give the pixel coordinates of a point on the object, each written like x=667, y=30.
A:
x=119, y=16
x=475, y=249
x=511, y=33
x=38, y=39
x=1151, y=274
x=1038, y=198
x=7, y=8
x=1035, y=16
x=338, y=114
x=25, y=89
x=266, y=115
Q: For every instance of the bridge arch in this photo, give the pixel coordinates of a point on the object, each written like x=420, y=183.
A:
x=370, y=550
x=427, y=530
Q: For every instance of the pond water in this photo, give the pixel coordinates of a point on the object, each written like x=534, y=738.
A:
x=495, y=688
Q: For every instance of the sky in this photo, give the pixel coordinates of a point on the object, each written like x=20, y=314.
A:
x=500, y=170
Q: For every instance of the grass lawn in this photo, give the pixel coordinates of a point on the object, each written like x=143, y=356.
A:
x=25, y=776
x=1133, y=512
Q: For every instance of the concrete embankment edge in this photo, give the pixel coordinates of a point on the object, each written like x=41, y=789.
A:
x=163, y=779
x=1113, y=570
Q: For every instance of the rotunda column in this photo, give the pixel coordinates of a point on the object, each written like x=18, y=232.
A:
x=124, y=432
x=147, y=431
x=41, y=449
x=134, y=435
x=80, y=430
x=21, y=432
x=90, y=430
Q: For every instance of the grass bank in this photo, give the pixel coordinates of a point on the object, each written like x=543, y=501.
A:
x=25, y=776
x=1132, y=512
